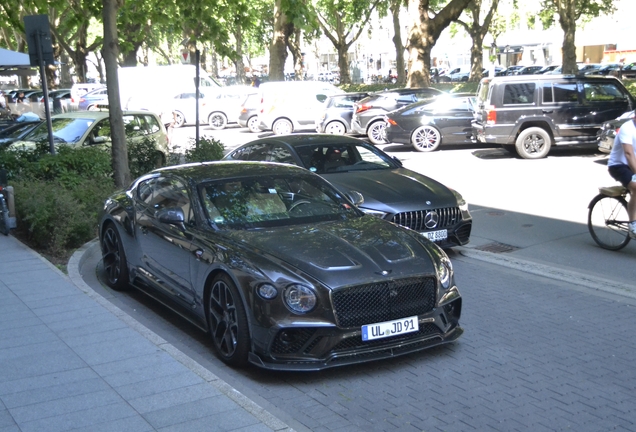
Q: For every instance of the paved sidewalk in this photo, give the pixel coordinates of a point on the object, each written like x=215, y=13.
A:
x=70, y=360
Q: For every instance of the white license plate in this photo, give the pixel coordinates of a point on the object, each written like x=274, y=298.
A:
x=605, y=144
x=436, y=235
x=390, y=328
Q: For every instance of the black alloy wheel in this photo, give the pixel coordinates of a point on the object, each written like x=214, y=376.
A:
x=228, y=322
x=114, y=259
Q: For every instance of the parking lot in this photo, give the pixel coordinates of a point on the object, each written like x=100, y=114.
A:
x=547, y=346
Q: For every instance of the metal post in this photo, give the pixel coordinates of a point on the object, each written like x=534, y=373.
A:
x=45, y=89
x=196, y=87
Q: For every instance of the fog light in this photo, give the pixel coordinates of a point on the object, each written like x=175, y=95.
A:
x=267, y=291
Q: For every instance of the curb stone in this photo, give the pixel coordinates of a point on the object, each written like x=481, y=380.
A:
x=75, y=263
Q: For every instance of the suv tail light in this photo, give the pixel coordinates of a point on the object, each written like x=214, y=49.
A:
x=491, y=115
x=362, y=108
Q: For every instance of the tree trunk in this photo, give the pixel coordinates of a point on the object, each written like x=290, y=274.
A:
x=240, y=66
x=118, y=135
x=424, y=34
x=397, y=41
x=343, y=63
x=293, y=43
x=566, y=9
x=278, y=48
x=476, y=57
x=130, y=58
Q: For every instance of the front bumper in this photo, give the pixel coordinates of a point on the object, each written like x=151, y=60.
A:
x=317, y=348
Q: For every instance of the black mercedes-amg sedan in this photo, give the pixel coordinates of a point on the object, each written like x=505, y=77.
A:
x=389, y=190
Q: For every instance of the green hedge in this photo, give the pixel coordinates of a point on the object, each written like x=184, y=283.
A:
x=58, y=197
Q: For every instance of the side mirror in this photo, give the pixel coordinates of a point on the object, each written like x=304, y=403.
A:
x=355, y=197
x=171, y=216
x=321, y=98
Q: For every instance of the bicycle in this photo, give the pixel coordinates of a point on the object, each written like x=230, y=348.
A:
x=608, y=221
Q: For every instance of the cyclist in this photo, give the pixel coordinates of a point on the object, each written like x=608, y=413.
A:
x=622, y=167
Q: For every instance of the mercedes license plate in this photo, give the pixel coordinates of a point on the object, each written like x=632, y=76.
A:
x=390, y=328
x=436, y=235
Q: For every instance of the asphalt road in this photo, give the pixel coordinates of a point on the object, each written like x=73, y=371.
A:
x=549, y=318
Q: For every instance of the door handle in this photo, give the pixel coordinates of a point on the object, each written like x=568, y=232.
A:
x=547, y=111
x=144, y=230
x=198, y=253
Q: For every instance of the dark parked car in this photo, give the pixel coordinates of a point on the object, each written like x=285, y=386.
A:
x=16, y=132
x=280, y=268
x=529, y=114
x=248, y=115
x=510, y=70
x=426, y=125
x=606, y=69
x=610, y=130
x=368, y=113
x=390, y=191
x=335, y=118
x=629, y=70
x=547, y=69
x=528, y=70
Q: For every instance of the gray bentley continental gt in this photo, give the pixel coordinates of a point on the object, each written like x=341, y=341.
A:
x=280, y=268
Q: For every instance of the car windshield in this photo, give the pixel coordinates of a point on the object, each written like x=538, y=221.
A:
x=67, y=130
x=331, y=158
x=271, y=201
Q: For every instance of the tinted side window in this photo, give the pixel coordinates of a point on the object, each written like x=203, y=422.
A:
x=522, y=93
x=565, y=92
x=281, y=154
x=603, y=92
x=152, y=126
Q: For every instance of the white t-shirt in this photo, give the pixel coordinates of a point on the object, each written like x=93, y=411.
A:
x=626, y=135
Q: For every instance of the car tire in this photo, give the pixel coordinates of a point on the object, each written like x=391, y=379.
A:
x=335, y=128
x=217, y=120
x=376, y=132
x=426, y=139
x=252, y=124
x=179, y=119
x=282, y=127
x=227, y=321
x=533, y=143
x=114, y=259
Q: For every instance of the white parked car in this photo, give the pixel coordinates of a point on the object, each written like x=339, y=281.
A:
x=288, y=106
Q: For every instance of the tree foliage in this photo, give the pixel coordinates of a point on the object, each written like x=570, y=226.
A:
x=569, y=13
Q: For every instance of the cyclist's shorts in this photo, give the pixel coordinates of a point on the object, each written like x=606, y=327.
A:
x=622, y=173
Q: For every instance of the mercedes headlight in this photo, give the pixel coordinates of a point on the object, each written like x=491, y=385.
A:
x=299, y=298
x=376, y=213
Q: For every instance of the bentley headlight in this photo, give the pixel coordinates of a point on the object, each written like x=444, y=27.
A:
x=299, y=298
x=445, y=272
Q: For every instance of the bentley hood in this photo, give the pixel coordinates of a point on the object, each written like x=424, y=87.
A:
x=340, y=253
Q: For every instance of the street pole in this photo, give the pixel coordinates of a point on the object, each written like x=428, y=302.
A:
x=45, y=89
x=197, y=60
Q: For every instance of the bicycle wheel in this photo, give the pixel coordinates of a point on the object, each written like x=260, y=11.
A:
x=4, y=219
x=608, y=222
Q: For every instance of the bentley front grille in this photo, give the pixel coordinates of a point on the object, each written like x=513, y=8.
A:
x=385, y=301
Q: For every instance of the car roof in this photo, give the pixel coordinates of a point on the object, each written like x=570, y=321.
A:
x=96, y=115
x=521, y=78
x=218, y=170
x=300, y=139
